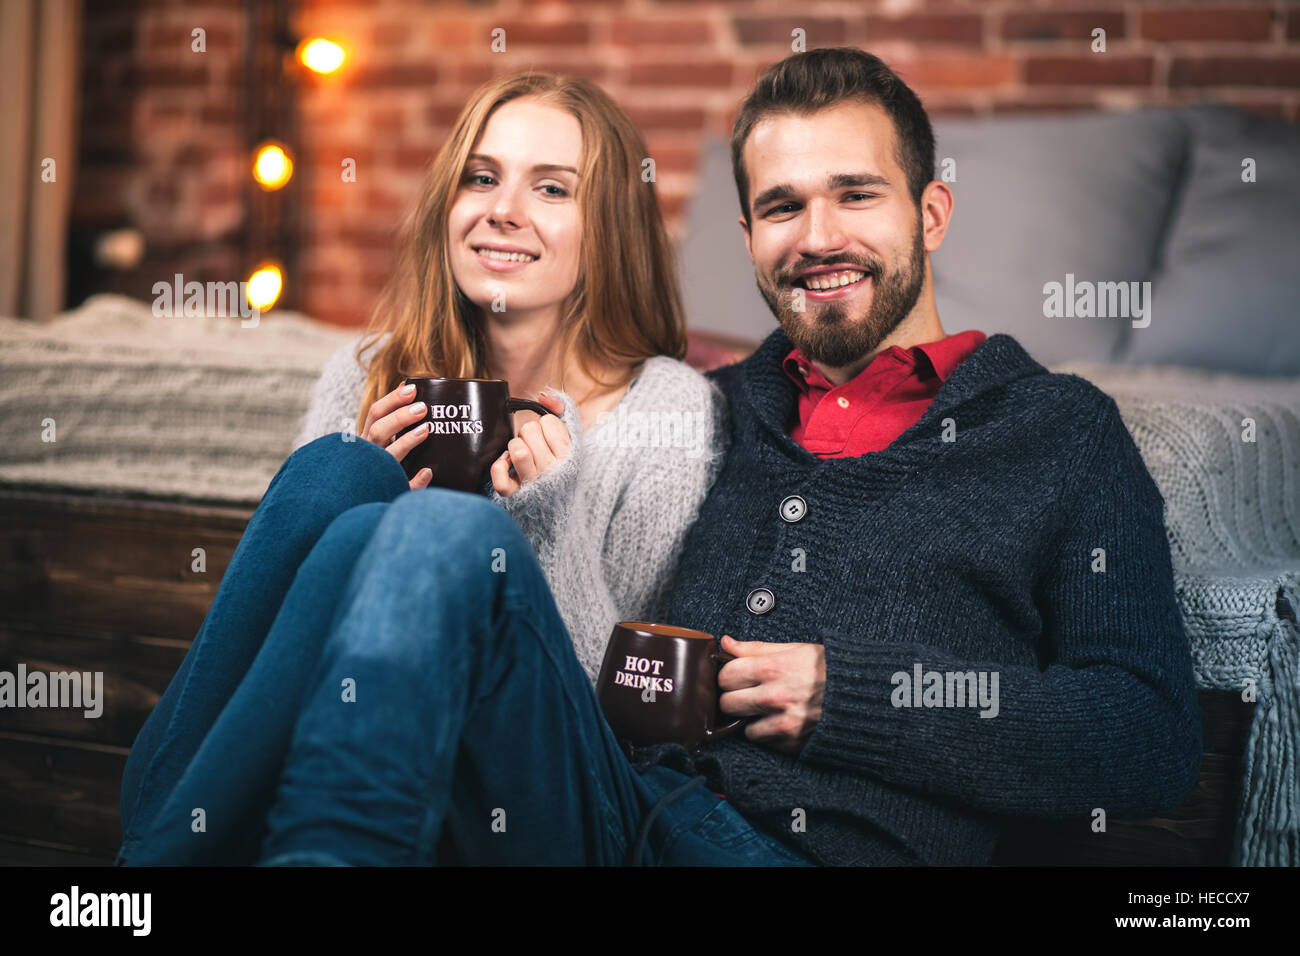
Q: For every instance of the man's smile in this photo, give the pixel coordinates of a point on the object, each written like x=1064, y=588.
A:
x=826, y=283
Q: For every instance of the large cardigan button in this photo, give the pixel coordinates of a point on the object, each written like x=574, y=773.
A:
x=760, y=601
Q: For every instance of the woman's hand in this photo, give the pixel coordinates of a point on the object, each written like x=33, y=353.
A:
x=388, y=416
x=534, y=451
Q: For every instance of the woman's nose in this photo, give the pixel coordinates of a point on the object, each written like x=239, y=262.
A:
x=505, y=211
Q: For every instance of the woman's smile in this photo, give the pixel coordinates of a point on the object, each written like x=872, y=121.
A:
x=499, y=258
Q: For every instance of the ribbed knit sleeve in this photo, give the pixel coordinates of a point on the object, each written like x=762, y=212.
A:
x=542, y=507
x=1109, y=719
x=648, y=530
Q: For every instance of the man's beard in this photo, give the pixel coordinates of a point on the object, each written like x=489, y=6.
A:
x=823, y=332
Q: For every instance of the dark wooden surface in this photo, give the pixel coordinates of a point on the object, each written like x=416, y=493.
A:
x=90, y=583
x=102, y=583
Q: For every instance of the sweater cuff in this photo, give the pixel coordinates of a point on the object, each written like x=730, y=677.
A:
x=860, y=729
x=542, y=505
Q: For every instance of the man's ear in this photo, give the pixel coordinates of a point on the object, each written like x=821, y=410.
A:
x=936, y=207
x=744, y=227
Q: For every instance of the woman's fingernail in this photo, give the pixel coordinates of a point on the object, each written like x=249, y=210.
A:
x=407, y=389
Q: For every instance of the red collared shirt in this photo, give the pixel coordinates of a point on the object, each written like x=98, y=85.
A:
x=877, y=405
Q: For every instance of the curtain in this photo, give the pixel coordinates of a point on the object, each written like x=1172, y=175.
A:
x=40, y=49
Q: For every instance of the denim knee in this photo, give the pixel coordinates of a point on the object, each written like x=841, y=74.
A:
x=452, y=524
x=432, y=562
x=329, y=449
x=340, y=469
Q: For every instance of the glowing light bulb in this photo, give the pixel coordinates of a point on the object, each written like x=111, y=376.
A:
x=272, y=167
x=264, y=286
x=321, y=55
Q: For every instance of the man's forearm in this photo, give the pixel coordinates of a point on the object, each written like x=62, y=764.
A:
x=1055, y=742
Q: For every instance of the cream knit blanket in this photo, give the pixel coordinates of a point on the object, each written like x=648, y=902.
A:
x=192, y=408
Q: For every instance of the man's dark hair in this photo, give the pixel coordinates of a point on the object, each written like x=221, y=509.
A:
x=808, y=82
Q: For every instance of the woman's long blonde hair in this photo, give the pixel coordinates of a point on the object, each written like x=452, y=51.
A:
x=625, y=307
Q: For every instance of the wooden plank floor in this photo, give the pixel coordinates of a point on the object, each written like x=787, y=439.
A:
x=91, y=583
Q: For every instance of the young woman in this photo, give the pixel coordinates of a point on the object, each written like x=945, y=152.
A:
x=562, y=283
x=371, y=634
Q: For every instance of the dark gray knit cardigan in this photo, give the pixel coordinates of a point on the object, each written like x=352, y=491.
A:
x=1012, y=531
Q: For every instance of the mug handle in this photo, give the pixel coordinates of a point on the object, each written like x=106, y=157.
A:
x=717, y=733
x=525, y=404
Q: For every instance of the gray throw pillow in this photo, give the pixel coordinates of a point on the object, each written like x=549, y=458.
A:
x=1041, y=198
x=1228, y=294
x=721, y=294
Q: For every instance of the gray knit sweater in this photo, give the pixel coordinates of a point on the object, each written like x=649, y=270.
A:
x=608, y=521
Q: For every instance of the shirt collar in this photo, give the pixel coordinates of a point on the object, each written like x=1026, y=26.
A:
x=939, y=357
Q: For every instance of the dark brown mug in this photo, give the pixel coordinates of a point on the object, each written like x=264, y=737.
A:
x=471, y=428
x=658, y=684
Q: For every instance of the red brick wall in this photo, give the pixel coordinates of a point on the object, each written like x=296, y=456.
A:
x=162, y=138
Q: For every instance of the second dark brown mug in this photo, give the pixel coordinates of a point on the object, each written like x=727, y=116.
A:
x=658, y=684
x=472, y=426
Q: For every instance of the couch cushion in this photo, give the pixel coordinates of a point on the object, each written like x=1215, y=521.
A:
x=718, y=283
x=709, y=350
x=1225, y=297
x=1040, y=197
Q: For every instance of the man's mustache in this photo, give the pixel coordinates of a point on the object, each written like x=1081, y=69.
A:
x=786, y=276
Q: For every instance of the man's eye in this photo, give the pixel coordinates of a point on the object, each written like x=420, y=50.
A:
x=783, y=208
x=859, y=197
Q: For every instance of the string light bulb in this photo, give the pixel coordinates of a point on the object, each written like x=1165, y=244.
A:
x=320, y=55
x=272, y=167
x=265, y=285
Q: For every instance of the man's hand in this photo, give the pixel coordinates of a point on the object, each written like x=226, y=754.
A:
x=782, y=684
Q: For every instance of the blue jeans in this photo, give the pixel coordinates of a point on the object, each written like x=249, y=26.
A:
x=383, y=678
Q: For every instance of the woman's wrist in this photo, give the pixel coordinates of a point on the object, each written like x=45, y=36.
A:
x=541, y=504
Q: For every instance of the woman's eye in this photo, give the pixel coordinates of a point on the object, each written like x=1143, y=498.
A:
x=481, y=179
x=553, y=190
